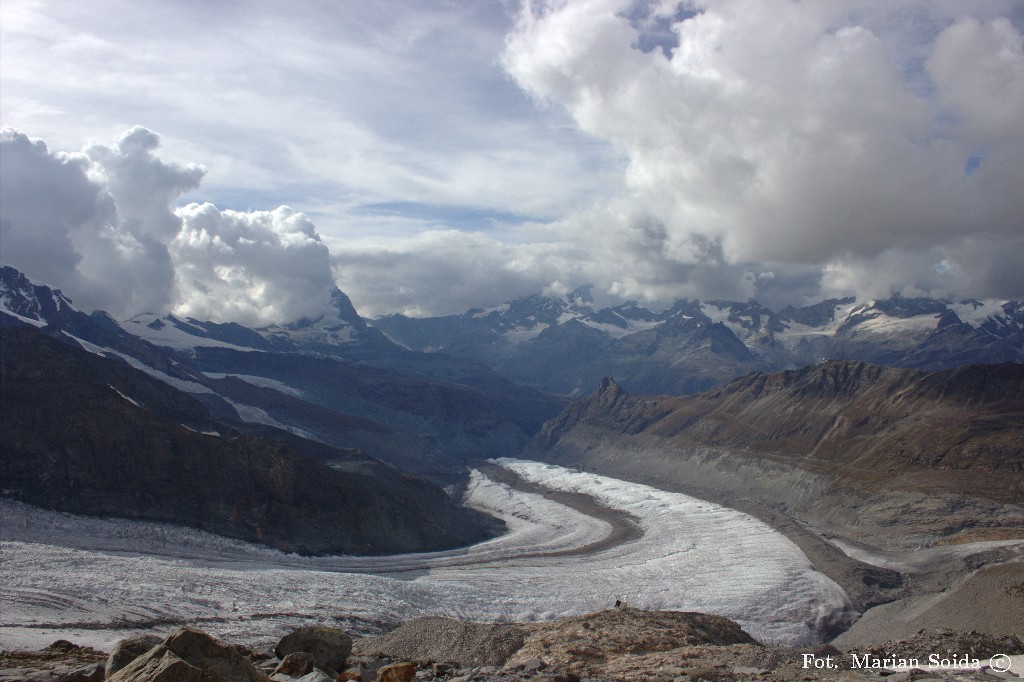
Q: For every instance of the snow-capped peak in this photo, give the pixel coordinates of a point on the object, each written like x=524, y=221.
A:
x=28, y=302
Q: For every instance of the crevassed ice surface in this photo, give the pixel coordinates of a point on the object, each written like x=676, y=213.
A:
x=90, y=580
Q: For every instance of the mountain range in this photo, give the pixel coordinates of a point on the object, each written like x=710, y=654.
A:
x=834, y=436
x=565, y=345
x=858, y=430
x=562, y=346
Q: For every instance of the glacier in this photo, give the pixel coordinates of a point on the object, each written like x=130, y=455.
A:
x=94, y=581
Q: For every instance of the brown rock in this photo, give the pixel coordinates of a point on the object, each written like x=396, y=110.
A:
x=396, y=672
x=710, y=675
x=443, y=639
x=158, y=665
x=62, y=646
x=188, y=655
x=127, y=650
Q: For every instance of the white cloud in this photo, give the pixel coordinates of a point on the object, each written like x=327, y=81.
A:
x=786, y=131
x=43, y=197
x=96, y=222
x=836, y=144
x=100, y=224
x=255, y=268
x=978, y=70
x=447, y=271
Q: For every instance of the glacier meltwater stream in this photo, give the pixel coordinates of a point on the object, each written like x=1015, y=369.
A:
x=94, y=580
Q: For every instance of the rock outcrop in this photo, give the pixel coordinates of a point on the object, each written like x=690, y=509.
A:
x=446, y=639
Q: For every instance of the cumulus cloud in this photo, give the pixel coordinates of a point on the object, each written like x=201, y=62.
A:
x=255, y=268
x=44, y=197
x=441, y=272
x=788, y=132
x=94, y=223
x=101, y=224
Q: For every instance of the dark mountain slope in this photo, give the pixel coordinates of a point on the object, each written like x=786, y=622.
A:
x=90, y=435
x=435, y=426
x=333, y=379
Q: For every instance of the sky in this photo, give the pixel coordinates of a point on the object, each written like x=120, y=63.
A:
x=235, y=161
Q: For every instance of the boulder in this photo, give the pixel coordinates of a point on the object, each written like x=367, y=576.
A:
x=396, y=672
x=92, y=673
x=296, y=664
x=189, y=655
x=158, y=665
x=127, y=650
x=330, y=646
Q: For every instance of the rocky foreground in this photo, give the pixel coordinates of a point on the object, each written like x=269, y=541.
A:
x=620, y=644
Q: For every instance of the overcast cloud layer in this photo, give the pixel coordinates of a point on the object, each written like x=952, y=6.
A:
x=440, y=156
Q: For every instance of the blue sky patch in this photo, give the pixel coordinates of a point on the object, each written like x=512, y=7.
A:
x=463, y=217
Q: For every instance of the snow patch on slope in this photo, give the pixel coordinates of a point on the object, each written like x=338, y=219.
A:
x=5, y=306
x=180, y=384
x=976, y=315
x=795, y=330
x=262, y=382
x=167, y=335
x=122, y=395
x=885, y=324
x=257, y=415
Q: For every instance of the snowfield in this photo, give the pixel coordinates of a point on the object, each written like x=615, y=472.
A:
x=94, y=581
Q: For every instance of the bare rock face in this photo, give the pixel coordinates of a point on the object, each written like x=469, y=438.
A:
x=189, y=655
x=600, y=638
x=330, y=647
x=951, y=644
x=613, y=644
x=164, y=666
